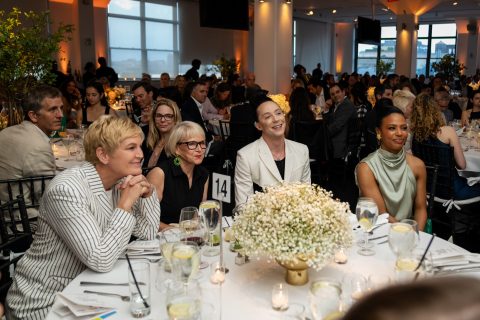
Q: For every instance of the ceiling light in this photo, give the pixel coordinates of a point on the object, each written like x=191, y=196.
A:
x=288, y=1
x=355, y=20
x=455, y=3
x=309, y=13
x=334, y=11
x=261, y=1
x=385, y=9
x=391, y=18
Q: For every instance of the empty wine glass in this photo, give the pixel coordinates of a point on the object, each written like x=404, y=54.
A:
x=367, y=214
x=189, y=219
x=67, y=142
x=210, y=210
x=402, y=238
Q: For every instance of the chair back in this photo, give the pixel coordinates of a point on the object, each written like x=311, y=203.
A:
x=30, y=188
x=442, y=156
x=432, y=175
x=224, y=129
x=15, y=239
x=304, y=131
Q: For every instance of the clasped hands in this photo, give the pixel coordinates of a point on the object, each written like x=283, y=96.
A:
x=133, y=187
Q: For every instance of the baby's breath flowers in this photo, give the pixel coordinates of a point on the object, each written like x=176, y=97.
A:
x=291, y=221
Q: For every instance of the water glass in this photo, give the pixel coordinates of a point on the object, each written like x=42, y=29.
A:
x=367, y=214
x=210, y=211
x=185, y=260
x=167, y=238
x=140, y=289
x=407, y=262
x=324, y=297
x=184, y=301
x=402, y=238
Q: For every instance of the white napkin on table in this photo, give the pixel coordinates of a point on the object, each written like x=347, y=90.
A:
x=142, y=247
x=81, y=305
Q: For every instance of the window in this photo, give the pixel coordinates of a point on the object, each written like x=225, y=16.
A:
x=434, y=41
x=143, y=37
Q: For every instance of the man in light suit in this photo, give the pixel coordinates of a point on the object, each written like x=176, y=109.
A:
x=271, y=159
x=26, y=149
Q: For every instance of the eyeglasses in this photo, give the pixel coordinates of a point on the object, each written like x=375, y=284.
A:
x=192, y=145
x=166, y=117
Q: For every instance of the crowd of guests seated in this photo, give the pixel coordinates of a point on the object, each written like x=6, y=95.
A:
x=139, y=174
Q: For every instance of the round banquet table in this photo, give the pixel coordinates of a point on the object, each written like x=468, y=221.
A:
x=246, y=292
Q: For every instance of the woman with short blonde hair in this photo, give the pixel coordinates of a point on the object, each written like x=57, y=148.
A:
x=86, y=218
x=181, y=181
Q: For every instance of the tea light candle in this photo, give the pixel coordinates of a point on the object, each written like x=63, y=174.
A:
x=279, y=297
x=217, y=273
x=340, y=256
x=218, y=276
x=357, y=295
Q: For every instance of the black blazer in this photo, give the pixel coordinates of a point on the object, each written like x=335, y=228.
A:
x=190, y=112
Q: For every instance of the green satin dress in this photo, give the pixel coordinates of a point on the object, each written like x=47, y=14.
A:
x=396, y=181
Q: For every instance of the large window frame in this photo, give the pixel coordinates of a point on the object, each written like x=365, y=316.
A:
x=429, y=37
x=145, y=48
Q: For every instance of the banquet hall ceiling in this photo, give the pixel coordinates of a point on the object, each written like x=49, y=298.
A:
x=347, y=10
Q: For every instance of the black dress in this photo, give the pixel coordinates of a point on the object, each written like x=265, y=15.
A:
x=84, y=115
x=176, y=192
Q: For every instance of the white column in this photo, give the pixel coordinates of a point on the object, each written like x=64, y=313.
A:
x=467, y=42
x=343, y=48
x=273, y=45
x=406, y=48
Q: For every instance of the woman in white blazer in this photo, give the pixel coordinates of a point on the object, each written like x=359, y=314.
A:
x=271, y=159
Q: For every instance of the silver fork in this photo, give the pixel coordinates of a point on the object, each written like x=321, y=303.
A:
x=108, y=294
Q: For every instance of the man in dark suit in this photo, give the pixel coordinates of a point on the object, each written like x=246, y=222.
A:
x=337, y=119
x=192, y=108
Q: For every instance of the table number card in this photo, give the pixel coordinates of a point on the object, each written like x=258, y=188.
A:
x=221, y=187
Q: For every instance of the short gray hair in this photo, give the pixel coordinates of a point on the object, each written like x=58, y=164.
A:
x=34, y=99
x=182, y=131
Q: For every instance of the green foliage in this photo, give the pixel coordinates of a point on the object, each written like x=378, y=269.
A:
x=26, y=52
x=448, y=66
x=383, y=67
x=225, y=66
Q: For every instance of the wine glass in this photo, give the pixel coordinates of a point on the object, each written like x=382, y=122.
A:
x=210, y=210
x=195, y=228
x=402, y=238
x=167, y=238
x=67, y=142
x=185, y=260
x=367, y=214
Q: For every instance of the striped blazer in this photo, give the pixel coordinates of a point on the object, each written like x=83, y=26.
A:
x=79, y=227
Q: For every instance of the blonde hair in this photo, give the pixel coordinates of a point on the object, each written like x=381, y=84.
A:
x=153, y=133
x=401, y=99
x=426, y=119
x=108, y=132
x=182, y=131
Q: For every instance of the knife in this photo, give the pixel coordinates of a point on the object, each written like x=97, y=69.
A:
x=93, y=283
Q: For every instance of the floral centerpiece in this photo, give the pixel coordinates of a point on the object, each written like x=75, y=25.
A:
x=282, y=101
x=226, y=66
x=474, y=86
x=114, y=95
x=293, y=222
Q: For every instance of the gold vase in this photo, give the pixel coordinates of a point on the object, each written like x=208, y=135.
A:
x=297, y=271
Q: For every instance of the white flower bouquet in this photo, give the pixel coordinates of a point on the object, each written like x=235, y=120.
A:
x=293, y=221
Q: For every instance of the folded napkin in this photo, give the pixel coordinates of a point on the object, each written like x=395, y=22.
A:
x=451, y=257
x=459, y=131
x=473, y=180
x=142, y=247
x=80, y=305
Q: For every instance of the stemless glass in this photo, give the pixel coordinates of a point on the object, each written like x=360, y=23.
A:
x=210, y=210
x=67, y=142
x=402, y=238
x=184, y=304
x=367, y=214
x=324, y=296
x=414, y=225
x=185, y=260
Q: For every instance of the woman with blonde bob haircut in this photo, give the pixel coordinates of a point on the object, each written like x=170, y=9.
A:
x=86, y=217
x=165, y=115
x=181, y=181
x=403, y=100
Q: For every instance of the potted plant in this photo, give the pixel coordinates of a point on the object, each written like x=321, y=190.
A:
x=383, y=67
x=226, y=66
x=26, y=53
x=448, y=66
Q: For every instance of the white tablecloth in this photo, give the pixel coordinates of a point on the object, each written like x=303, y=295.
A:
x=246, y=293
x=61, y=161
